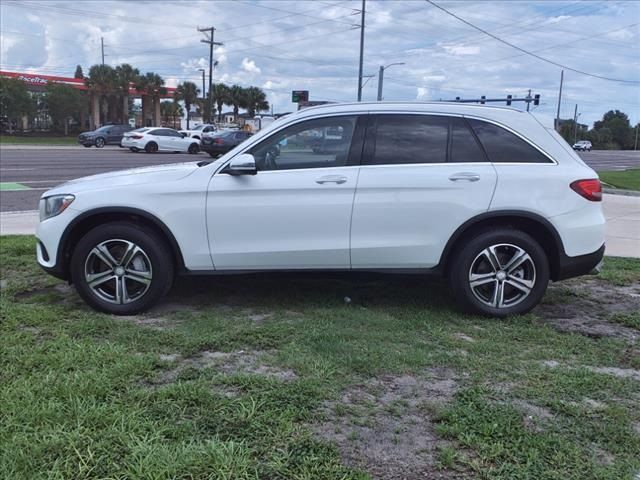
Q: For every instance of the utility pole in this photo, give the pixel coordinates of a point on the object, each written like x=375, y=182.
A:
x=575, y=124
x=361, y=51
x=528, y=99
x=210, y=41
x=559, y=102
x=102, y=47
x=204, y=98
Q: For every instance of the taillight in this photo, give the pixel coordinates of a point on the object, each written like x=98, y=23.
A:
x=218, y=141
x=589, y=189
x=136, y=137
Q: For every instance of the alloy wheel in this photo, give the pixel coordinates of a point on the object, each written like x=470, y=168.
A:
x=99, y=143
x=118, y=271
x=502, y=275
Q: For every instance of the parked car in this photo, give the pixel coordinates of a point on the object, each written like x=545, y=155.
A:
x=105, y=135
x=484, y=196
x=198, y=131
x=221, y=142
x=153, y=140
x=584, y=145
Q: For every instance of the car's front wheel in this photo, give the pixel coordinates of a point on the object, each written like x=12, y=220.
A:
x=121, y=269
x=500, y=272
x=100, y=142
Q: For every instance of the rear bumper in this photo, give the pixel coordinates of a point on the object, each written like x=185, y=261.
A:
x=581, y=265
x=213, y=148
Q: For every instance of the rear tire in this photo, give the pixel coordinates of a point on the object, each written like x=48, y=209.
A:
x=100, y=142
x=121, y=269
x=213, y=155
x=134, y=149
x=499, y=272
x=151, y=147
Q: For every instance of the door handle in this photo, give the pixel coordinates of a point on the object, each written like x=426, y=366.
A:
x=331, y=179
x=468, y=176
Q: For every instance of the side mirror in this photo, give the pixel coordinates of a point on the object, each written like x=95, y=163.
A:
x=243, y=164
x=184, y=135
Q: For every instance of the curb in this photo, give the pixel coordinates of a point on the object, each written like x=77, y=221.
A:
x=618, y=191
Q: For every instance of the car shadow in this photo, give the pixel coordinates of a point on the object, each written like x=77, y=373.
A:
x=310, y=289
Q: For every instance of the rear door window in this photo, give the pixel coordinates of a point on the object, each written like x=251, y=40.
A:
x=406, y=139
x=503, y=146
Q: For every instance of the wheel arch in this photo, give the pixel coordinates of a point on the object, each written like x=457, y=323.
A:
x=92, y=218
x=538, y=227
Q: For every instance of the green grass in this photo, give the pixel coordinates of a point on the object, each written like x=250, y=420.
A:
x=86, y=395
x=626, y=179
x=20, y=140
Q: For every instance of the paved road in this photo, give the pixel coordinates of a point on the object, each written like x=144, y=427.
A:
x=37, y=169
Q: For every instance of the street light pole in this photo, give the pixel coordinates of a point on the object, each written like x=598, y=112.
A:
x=361, y=51
x=203, y=92
x=575, y=124
x=381, y=77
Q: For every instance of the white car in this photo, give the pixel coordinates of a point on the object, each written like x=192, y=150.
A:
x=153, y=140
x=199, y=131
x=584, y=145
x=485, y=196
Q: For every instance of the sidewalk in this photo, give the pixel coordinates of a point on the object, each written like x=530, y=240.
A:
x=622, y=234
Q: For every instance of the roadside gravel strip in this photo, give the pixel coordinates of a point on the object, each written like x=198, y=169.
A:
x=622, y=234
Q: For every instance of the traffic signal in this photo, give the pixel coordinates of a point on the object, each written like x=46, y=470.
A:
x=482, y=99
x=536, y=99
x=457, y=99
x=509, y=97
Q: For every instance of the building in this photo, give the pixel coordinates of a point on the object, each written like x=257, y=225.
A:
x=36, y=83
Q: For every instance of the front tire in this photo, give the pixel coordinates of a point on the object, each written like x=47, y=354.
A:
x=121, y=269
x=499, y=272
x=193, y=148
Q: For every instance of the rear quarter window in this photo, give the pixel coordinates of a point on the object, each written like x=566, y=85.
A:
x=503, y=146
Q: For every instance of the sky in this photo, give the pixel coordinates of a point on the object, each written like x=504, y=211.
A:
x=281, y=45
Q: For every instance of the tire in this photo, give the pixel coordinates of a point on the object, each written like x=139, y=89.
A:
x=151, y=147
x=213, y=155
x=100, y=142
x=134, y=149
x=86, y=146
x=193, y=148
x=522, y=286
x=127, y=287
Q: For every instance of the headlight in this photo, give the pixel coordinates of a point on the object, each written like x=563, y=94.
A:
x=54, y=205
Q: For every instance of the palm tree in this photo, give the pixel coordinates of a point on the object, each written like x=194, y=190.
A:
x=256, y=101
x=101, y=81
x=151, y=85
x=125, y=76
x=237, y=98
x=170, y=109
x=188, y=93
x=221, y=97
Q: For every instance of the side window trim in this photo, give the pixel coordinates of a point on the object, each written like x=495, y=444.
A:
x=475, y=137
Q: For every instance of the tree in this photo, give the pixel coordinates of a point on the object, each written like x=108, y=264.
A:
x=221, y=97
x=102, y=82
x=64, y=103
x=151, y=85
x=169, y=109
x=125, y=76
x=256, y=101
x=613, y=131
x=188, y=93
x=15, y=101
x=78, y=73
x=237, y=98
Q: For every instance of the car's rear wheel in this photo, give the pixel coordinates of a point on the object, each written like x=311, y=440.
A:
x=500, y=272
x=151, y=147
x=213, y=155
x=121, y=269
x=100, y=142
x=194, y=148
x=134, y=149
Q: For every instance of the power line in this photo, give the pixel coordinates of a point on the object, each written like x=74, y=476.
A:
x=527, y=51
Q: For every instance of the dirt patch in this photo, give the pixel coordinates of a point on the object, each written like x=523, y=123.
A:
x=462, y=336
x=230, y=363
x=585, y=306
x=385, y=425
x=614, y=371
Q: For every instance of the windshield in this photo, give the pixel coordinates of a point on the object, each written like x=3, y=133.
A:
x=199, y=127
x=141, y=130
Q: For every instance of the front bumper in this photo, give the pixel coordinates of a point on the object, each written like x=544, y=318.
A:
x=570, y=267
x=87, y=141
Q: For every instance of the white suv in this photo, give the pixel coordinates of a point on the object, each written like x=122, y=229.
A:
x=485, y=196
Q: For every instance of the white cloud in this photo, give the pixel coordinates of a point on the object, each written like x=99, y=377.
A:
x=461, y=49
x=250, y=66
